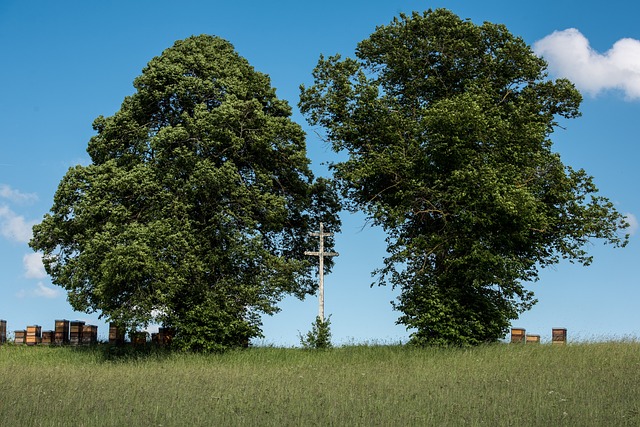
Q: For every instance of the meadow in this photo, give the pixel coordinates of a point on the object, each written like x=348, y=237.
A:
x=585, y=384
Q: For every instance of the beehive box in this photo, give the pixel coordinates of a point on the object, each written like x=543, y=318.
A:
x=139, y=338
x=3, y=331
x=75, y=332
x=518, y=335
x=559, y=336
x=165, y=335
x=89, y=334
x=48, y=337
x=62, y=332
x=533, y=339
x=20, y=337
x=116, y=334
x=34, y=335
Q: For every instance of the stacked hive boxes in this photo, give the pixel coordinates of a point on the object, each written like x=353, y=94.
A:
x=89, y=334
x=518, y=335
x=34, y=335
x=62, y=332
x=20, y=336
x=75, y=332
x=65, y=332
x=163, y=337
x=116, y=334
x=559, y=336
x=48, y=337
x=3, y=331
x=139, y=338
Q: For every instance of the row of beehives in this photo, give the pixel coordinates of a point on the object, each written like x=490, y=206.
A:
x=117, y=336
x=65, y=332
x=520, y=336
x=77, y=332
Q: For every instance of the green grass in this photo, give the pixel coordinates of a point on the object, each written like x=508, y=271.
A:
x=595, y=384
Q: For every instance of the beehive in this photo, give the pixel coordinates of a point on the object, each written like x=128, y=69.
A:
x=48, y=337
x=533, y=339
x=89, y=334
x=3, y=331
x=116, y=334
x=139, y=338
x=20, y=337
x=34, y=335
x=559, y=336
x=62, y=332
x=75, y=332
x=165, y=335
x=518, y=335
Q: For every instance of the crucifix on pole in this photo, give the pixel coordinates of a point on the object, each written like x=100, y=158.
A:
x=321, y=254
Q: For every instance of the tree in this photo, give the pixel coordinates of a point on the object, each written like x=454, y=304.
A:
x=319, y=337
x=447, y=128
x=196, y=208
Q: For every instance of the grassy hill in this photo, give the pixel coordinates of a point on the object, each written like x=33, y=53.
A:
x=596, y=384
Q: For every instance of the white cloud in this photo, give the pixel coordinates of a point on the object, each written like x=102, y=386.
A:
x=14, y=226
x=44, y=291
x=6, y=192
x=33, y=267
x=41, y=291
x=633, y=223
x=570, y=55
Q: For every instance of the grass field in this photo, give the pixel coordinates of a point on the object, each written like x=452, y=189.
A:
x=595, y=384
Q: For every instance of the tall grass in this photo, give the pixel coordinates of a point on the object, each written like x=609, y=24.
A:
x=580, y=384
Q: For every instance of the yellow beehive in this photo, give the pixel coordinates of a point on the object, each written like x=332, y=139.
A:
x=518, y=335
x=533, y=339
x=34, y=335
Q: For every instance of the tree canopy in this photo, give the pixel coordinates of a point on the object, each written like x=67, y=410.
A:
x=196, y=208
x=447, y=128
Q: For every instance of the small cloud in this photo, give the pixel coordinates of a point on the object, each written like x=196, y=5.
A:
x=15, y=227
x=33, y=267
x=45, y=291
x=633, y=223
x=6, y=192
x=569, y=54
x=41, y=291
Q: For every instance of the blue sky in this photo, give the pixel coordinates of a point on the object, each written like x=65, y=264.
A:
x=64, y=63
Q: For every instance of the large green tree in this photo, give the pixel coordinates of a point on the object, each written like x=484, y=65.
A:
x=447, y=128
x=196, y=208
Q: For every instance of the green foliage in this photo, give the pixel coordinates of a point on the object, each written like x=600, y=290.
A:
x=319, y=337
x=196, y=207
x=447, y=128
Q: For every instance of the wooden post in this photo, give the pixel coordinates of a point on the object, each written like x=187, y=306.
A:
x=321, y=254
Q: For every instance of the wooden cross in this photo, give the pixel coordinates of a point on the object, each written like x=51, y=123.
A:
x=321, y=254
